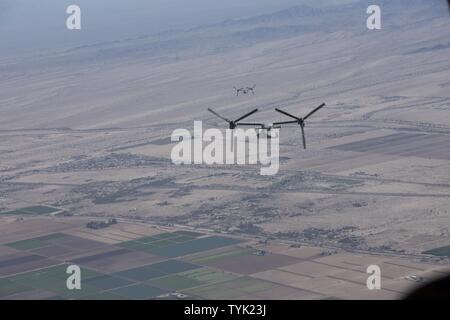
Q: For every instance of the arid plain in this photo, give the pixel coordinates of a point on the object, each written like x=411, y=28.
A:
x=87, y=130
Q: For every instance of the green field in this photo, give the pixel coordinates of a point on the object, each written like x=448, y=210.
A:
x=143, y=282
x=52, y=236
x=52, y=279
x=35, y=243
x=232, y=252
x=141, y=273
x=167, y=235
x=33, y=210
x=95, y=286
x=107, y=282
x=181, y=239
x=28, y=244
x=189, y=233
x=146, y=240
x=174, y=266
x=163, y=239
x=156, y=270
x=174, y=282
x=157, y=243
x=442, y=251
x=8, y=287
x=14, y=212
x=208, y=276
x=194, y=246
x=40, y=210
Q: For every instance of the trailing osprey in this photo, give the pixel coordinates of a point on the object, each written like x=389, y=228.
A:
x=245, y=90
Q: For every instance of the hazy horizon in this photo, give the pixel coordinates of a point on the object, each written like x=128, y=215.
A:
x=27, y=25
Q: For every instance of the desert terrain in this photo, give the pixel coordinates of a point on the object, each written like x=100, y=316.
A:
x=87, y=130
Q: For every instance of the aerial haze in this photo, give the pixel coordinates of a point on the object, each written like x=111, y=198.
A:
x=27, y=25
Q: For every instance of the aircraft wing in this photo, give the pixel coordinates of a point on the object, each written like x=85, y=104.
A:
x=285, y=122
x=249, y=124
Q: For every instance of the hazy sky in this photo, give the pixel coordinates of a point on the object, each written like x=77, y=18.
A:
x=40, y=24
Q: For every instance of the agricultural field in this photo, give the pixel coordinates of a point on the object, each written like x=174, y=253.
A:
x=166, y=263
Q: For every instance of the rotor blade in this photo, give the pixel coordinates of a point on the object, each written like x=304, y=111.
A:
x=303, y=136
x=314, y=111
x=218, y=115
x=287, y=114
x=247, y=115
